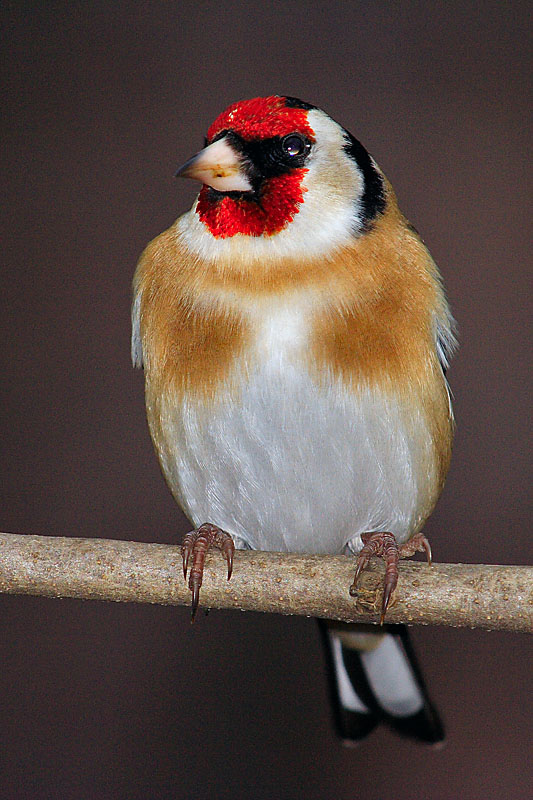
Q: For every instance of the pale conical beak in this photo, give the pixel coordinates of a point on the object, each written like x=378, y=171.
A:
x=219, y=166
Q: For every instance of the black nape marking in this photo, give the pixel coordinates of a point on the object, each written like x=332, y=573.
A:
x=293, y=102
x=373, y=200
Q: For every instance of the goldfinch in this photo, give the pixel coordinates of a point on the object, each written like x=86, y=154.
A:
x=295, y=334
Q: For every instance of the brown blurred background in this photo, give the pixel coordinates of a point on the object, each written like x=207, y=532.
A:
x=101, y=102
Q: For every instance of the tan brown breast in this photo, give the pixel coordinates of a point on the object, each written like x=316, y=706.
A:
x=372, y=318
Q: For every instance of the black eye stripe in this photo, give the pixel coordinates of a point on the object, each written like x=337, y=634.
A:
x=270, y=157
x=273, y=145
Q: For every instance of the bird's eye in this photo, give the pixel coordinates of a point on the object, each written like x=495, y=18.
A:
x=294, y=144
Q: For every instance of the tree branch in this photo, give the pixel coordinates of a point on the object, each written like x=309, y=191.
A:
x=460, y=595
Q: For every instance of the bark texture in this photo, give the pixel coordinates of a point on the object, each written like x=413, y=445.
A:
x=461, y=595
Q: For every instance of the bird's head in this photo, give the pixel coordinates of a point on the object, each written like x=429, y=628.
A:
x=280, y=171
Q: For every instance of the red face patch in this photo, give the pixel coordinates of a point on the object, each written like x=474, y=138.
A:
x=260, y=118
x=271, y=213
x=280, y=196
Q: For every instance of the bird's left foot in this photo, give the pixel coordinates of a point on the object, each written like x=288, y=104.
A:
x=195, y=546
x=384, y=545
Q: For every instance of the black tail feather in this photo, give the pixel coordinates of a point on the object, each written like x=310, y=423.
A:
x=374, y=677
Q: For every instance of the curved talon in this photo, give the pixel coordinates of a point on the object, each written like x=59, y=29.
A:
x=387, y=593
x=195, y=589
x=362, y=560
x=186, y=549
x=229, y=559
x=427, y=549
x=225, y=543
x=416, y=544
x=195, y=545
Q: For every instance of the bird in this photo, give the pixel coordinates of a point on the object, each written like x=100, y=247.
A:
x=295, y=337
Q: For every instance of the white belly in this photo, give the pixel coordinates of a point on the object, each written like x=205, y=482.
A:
x=292, y=467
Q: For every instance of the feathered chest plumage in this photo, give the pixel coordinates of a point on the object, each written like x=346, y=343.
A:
x=297, y=418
